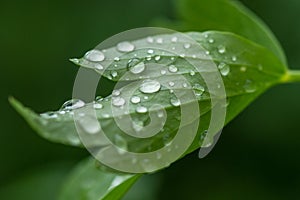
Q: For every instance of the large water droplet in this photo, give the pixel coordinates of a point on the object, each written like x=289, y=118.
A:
x=94, y=55
x=135, y=66
x=125, y=46
x=173, y=68
x=118, y=101
x=135, y=99
x=141, y=109
x=72, y=104
x=224, y=69
x=150, y=86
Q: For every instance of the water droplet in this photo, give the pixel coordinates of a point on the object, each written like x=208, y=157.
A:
x=116, y=92
x=221, y=49
x=114, y=74
x=72, y=104
x=146, y=97
x=98, y=105
x=207, y=52
x=125, y=46
x=175, y=102
x=150, y=51
x=184, y=85
x=135, y=66
x=150, y=86
x=116, y=59
x=135, y=99
x=159, y=40
x=118, y=101
x=211, y=40
x=192, y=73
x=199, y=89
x=233, y=58
x=172, y=58
x=187, y=45
x=49, y=115
x=173, y=68
x=163, y=72
x=157, y=58
x=171, y=83
x=141, y=109
x=98, y=66
x=99, y=99
x=94, y=55
x=174, y=39
x=182, y=55
x=249, y=86
x=160, y=114
x=224, y=69
x=243, y=69
x=150, y=39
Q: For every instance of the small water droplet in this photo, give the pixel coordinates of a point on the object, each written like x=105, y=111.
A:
x=211, y=40
x=233, y=58
x=98, y=105
x=49, y=115
x=116, y=92
x=159, y=40
x=118, y=101
x=141, y=109
x=146, y=97
x=182, y=55
x=192, y=73
x=114, y=74
x=160, y=114
x=173, y=68
x=98, y=66
x=90, y=125
x=150, y=39
x=171, y=83
x=249, y=86
x=135, y=99
x=207, y=52
x=184, y=85
x=174, y=39
x=125, y=46
x=187, y=45
x=199, y=89
x=150, y=51
x=224, y=69
x=94, y=55
x=175, y=101
x=116, y=59
x=163, y=72
x=157, y=58
x=150, y=86
x=72, y=104
x=243, y=69
x=99, y=99
x=135, y=66
x=221, y=49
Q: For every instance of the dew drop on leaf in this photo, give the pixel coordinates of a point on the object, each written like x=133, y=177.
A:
x=175, y=101
x=135, y=66
x=98, y=105
x=141, y=109
x=224, y=69
x=94, y=55
x=173, y=68
x=187, y=45
x=221, y=49
x=150, y=86
x=135, y=99
x=125, y=46
x=72, y=104
x=249, y=86
x=118, y=101
x=199, y=89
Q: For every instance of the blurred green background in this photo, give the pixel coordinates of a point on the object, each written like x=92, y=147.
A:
x=257, y=156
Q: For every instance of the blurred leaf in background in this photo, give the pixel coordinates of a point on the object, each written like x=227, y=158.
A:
x=257, y=156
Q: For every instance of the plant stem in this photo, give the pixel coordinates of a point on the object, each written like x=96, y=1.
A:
x=292, y=76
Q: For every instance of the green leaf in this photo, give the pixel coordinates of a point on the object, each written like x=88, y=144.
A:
x=252, y=67
x=225, y=15
x=86, y=182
